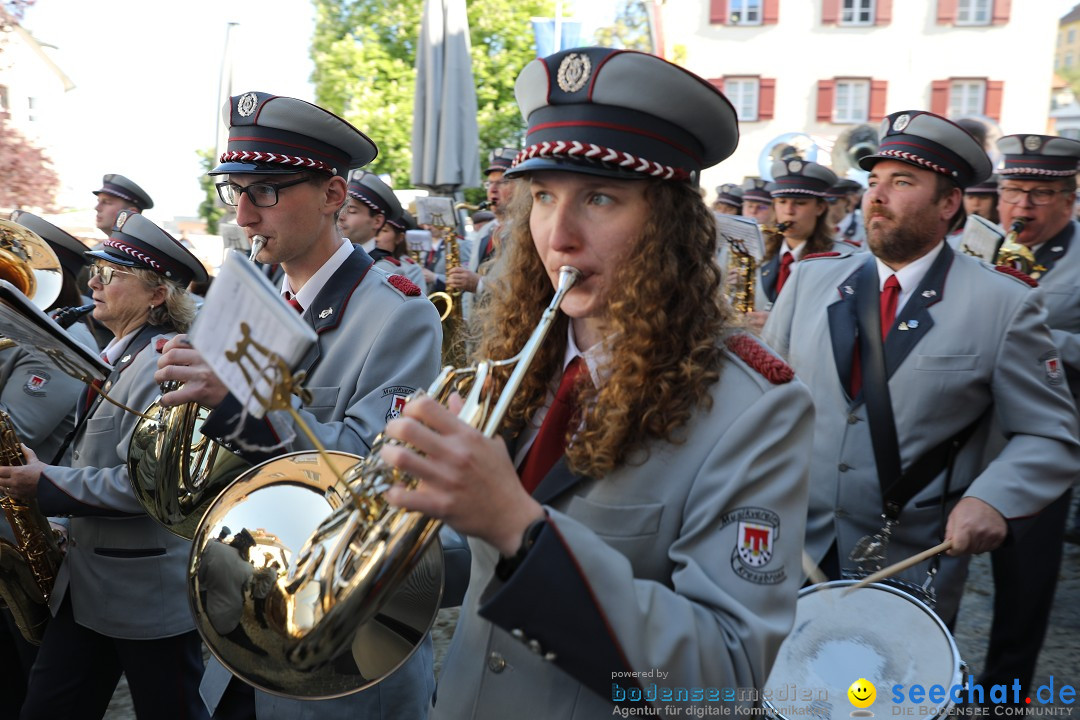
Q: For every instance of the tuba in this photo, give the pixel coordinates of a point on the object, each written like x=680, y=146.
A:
x=307, y=586
x=1012, y=253
x=175, y=471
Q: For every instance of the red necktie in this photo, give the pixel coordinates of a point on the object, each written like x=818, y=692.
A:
x=291, y=299
x=785, y=270
x=889, y=297
x=550, y=442
x=94, y=386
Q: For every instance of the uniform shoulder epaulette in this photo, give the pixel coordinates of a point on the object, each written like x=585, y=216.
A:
x=408, y=259
x=754, y=354
x=831, y=253
x=1024, y=277
x=404, y=284
x=852, y=243
x=392, y=260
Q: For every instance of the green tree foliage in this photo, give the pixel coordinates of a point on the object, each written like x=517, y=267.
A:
x=210, y=209
x=631, y=30
x=365, y=58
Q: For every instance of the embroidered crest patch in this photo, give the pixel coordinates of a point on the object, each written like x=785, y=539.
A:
x=35, y=384
x=1051, y=363
x=757, y=530
x=398, y=396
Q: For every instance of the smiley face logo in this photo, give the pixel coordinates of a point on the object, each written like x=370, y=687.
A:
x=861, y=693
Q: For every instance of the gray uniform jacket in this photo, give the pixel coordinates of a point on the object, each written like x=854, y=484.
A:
x=765, y=287
x=403, y=266
x=376, y=345
x=970, y=346
x=39, y=397
x=686, y=559
x=1058, y=273
x=126, y=574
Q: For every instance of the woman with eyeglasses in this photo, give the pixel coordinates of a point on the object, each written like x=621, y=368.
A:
x=119, y=603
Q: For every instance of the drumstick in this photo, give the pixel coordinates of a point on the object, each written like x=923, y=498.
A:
x=813, y=572
x=902, y=565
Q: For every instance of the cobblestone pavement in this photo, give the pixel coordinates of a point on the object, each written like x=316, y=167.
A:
x=1060, y=656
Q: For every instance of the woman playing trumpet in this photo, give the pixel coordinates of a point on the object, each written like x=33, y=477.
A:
x=119, y=604
x=668, y=533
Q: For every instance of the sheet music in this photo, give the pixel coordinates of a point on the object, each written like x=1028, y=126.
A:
x=981, y=238
x=243, y=325
x=435, y=210
x=743, y=233
x=418, y=240
x=37, y=333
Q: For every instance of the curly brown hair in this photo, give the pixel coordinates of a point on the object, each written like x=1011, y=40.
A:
x=665, y=318
x=820, y=240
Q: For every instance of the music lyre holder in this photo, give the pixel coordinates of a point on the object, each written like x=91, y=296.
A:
x=283, y=385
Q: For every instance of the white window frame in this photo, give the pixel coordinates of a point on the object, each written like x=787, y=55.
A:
x=974, y=12
x=967, y=97
x=749, y=12
x=848, y=106
x=1071, y=36
x=745, y=94
x=850, y=15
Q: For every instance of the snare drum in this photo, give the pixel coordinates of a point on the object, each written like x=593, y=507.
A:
x=878, y=633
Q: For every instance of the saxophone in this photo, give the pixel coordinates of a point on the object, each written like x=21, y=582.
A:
x=448, y=302
x=28, y=567
x=742, y=267
x=1012, y=253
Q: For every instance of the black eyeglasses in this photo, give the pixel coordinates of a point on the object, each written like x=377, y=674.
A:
x=262, y=195
x=1038, y=196
x=106, y=273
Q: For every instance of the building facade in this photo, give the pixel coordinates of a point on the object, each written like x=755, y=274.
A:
x=815, y=73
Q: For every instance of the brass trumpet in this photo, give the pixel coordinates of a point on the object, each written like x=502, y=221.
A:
x=1012, y=253
x=333, y=599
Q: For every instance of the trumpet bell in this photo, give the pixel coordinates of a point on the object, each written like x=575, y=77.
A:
x=175, y=471
x=28, y=263
x=291, y=636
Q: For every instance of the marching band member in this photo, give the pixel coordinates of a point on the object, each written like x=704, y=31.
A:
x=729, y=199
x=757, y=201
x=798, y=190
x=119, y=601
x=1038, y=184
x=392, y=254
x=844, y=214
x=40, y=401
x=680, y=496
x=910, y=352
x=370, y=204
x=500, y=190
x=379, y=339
x=982, y=200
x=118, y=194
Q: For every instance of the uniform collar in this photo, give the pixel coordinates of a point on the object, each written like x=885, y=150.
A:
x=307, y=294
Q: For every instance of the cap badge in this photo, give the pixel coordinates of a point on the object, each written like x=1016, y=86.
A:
x=247, y=104
x=901, y=122
x=1032, y=142
x=121, y=218
x=574, y=71
x=794, y=166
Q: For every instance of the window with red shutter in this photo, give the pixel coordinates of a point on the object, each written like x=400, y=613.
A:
x=718, y=12
x=939, y=97
x=946, y=12
x=1002, y=9
x=878, y=92
x=825, y=100
x=830, y=12
x=884, y=12
x=995, y=93
x=766, y=98
x=771, y=12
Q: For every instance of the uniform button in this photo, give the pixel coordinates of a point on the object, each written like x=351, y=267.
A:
x=852, y=419
x=844, y=467
x=534, y=646
x=518, y=633
x=496, y=662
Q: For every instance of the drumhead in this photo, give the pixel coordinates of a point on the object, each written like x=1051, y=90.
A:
x=877, y=633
